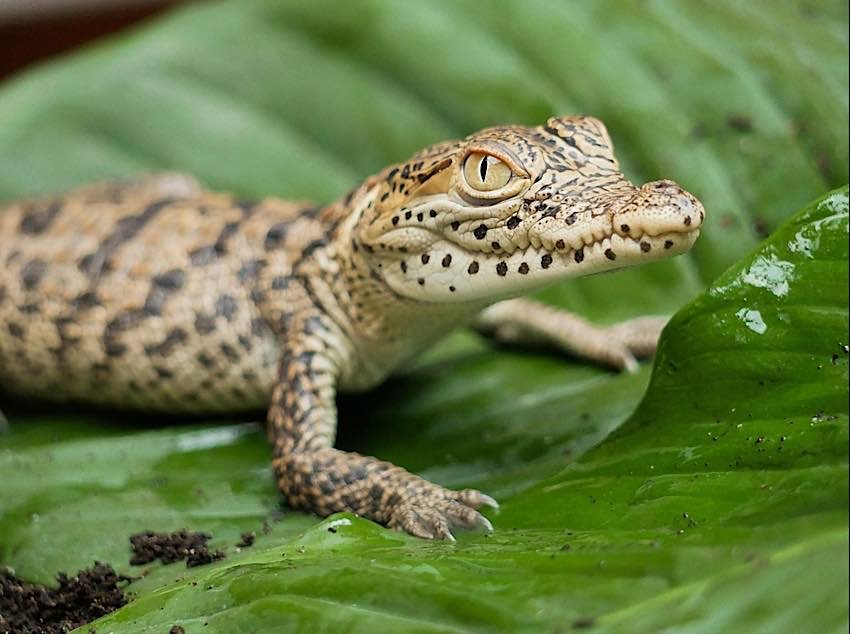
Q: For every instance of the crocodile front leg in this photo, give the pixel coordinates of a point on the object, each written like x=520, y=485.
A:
x=527, y=322
x=316, y=477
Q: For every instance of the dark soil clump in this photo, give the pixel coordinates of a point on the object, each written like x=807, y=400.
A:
x=27, y=608
x=192, y=546
x=246, y=539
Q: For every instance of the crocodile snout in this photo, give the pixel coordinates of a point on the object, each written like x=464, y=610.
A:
x=657, y=208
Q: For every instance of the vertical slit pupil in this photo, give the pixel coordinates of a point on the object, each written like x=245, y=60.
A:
x=482, y=168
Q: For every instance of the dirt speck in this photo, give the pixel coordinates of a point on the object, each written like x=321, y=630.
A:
x=246, y=539
x=740, y=122
x=584, y=623
x=28, y=608
x=192, y=546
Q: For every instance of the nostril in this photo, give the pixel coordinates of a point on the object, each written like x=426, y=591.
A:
x=666, y=186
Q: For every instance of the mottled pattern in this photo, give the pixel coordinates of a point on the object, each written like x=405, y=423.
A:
x=155, y=294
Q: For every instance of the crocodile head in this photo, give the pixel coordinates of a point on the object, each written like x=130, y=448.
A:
x=513, y=208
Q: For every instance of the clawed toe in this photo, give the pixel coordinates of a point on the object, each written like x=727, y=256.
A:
x=475, y=499
x=434, y=516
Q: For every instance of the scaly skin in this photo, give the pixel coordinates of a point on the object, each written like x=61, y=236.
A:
x=157, y=295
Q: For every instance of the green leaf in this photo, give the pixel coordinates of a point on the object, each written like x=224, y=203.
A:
x=720, y=505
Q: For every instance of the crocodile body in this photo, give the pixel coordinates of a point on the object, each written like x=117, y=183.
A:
x=155, y=294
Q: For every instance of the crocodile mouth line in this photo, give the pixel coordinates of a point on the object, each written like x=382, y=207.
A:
x=610, y=248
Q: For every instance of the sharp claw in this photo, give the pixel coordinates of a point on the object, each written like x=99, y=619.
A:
x=630, y=364
x=488, y=501
x=484, y=523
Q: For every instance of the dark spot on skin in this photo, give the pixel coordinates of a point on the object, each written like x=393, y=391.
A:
x=280, y=283
x=452, y=289
x=668, y=244
x=480, y=231
x=403, y=266
x=225, y=306
x=432, y=213
x=250, y=270
x=688, y=221
x=36, y=222
x=123, y=321
x=258, y=327
x=276, y=235
x=155, y=301
x=645, y=247
x=546, y=261
x=318, y=244
x=408, y=215
x=421, y=281
x=204, y=324
x=455, y=225
x=571, y=218
x=609, y=253
x=425, y=258
x=245, y=342
x=15, y=330
x=473, y=268
x=513, y=221
x=420, y=216
x=205, y=360
x=163, y=373
x=229, y=351
x=94, y=264
x=32, y=272
x=174, y=338
x=495, y=245
x=502, y=269
x=247, y=206
x=447, y=260
x=579, y=256
x=560, y=245
x=30, y=309
x=114, y=349
x=85, y=300
x=202, y=256
x=523, y=268
x=87, y=263
x=395, y=220
x=625, y=228
x=384, y=196
x=226, y=231
x=170, y=281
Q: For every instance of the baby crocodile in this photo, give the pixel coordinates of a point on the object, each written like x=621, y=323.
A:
x=155, y=294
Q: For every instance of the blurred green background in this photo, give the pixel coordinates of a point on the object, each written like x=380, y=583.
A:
x=683, y=520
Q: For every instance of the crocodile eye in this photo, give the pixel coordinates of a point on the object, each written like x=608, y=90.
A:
x=485, y=172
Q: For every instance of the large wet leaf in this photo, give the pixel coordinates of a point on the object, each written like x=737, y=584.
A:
x=721, y=504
